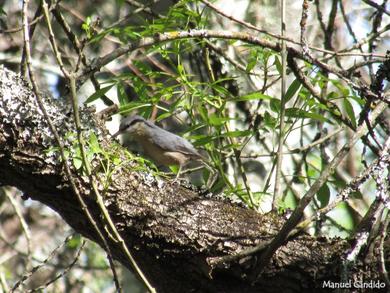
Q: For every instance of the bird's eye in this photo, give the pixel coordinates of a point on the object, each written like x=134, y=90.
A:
x=130, y=123
x=133, y=122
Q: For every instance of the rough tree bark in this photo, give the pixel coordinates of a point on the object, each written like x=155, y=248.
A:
x=176, y=233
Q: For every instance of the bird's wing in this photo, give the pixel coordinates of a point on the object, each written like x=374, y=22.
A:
x=174, y=143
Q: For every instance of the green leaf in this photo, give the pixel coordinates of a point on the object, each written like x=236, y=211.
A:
x=349, y=110
x=66, y=154
x=132, y=106
x=206, y=174
x=98, y=94
x=90, y=156
x=121, y=93
x=217, y=121
x=220, y=90
x=289, y=201
x=357, y=99
x=312, y=173
x=323, y=196
x=94, y=143
x=51, y=151
x=2, y=12
x=205, y=139
x=299, y=113
x=253, y=96
x=275, y=105
x=218, y=185
x=278, y=65
x=74, y=242
x=86, y=26
x=339, y=182
x=237, y=133
x=254, y=57
x=231, y=146
x=292, y=90
x=180, y=69
x=269, y=120
x=174, y=169
x=77, y=162
x=251, y=65
x=337, y=83
x=343, y=215
x=98, y=37
x=163, y=116
x=356, y=194
x=332, y=96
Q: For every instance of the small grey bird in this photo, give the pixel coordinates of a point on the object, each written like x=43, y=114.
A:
x=162, y=146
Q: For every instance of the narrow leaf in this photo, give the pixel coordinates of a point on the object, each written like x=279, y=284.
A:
x=349, y=110
x=292, y=89
x=253, y=96
x=98, y=94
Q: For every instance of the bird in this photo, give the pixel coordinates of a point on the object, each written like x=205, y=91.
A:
x=163, y=147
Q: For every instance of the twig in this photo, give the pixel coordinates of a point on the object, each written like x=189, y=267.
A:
x=304, y=45
x=145, y=8
x=25, y=228
x=253, y=27
x=279, y=155
x=31, y=32
x=32, y=23
x=377, y=6
x=64, y=272
x=36, y=268
x=79, y=50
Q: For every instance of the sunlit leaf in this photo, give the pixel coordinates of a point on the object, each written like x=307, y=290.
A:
x=77, y=162
x=94, y=143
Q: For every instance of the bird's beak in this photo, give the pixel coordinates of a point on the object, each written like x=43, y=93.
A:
x=116, y=134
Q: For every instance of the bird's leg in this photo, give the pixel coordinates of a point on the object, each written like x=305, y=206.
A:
x=178, y=173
